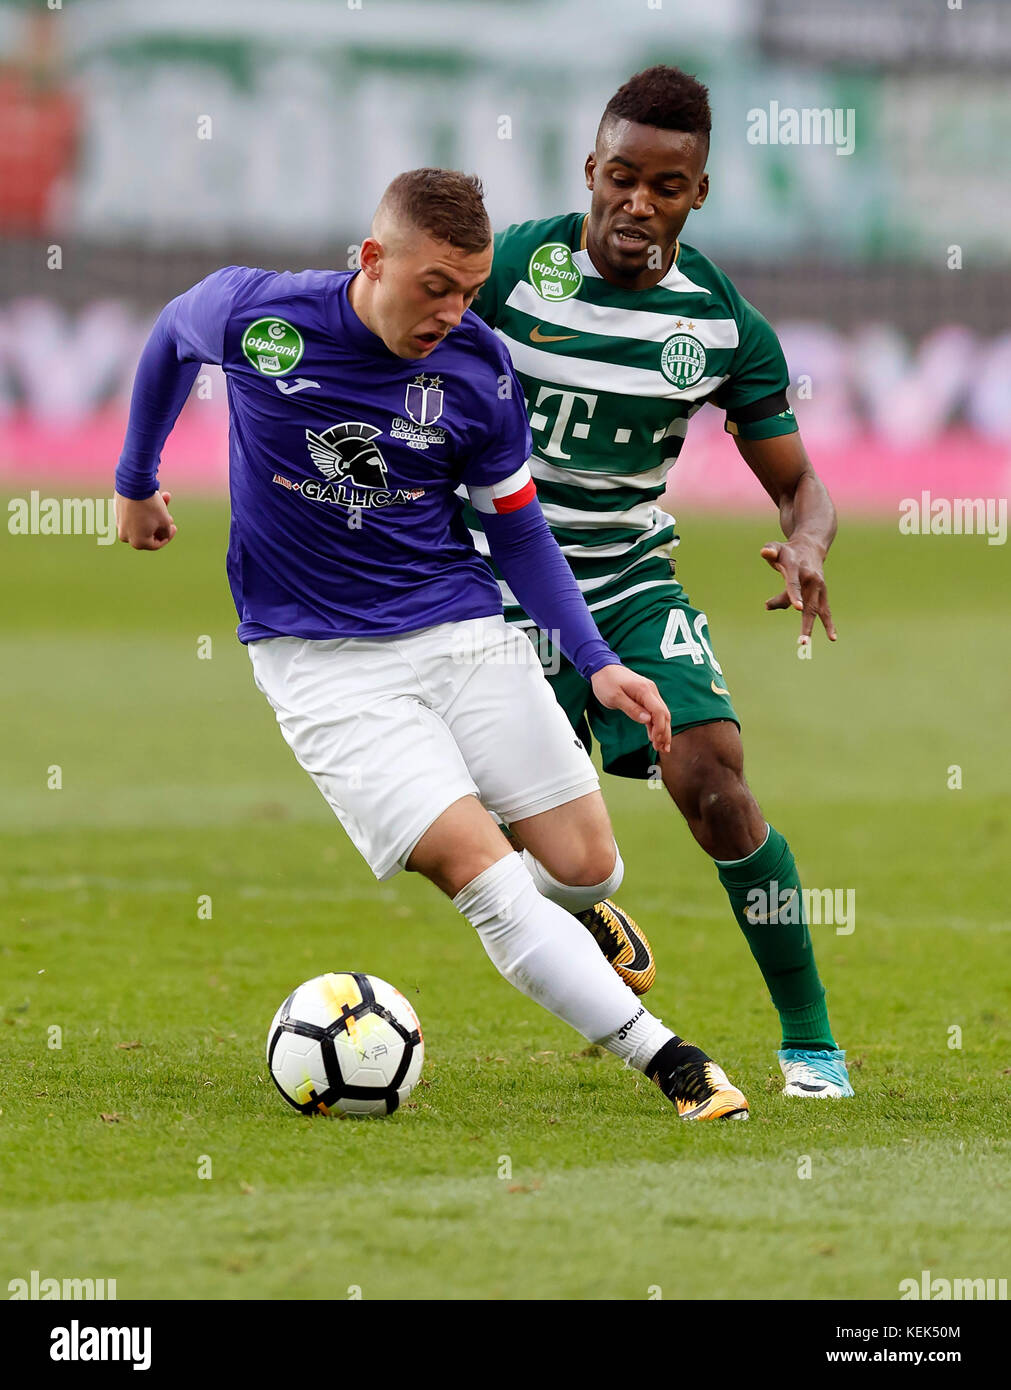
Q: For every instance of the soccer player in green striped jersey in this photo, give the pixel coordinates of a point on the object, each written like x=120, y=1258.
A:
x=619, y=333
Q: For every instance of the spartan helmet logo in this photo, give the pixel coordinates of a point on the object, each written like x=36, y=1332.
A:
x=347, y=452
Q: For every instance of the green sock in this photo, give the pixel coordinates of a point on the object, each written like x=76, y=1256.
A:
x=766, y=882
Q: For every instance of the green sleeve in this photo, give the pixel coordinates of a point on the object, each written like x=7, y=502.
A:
x=754, y=395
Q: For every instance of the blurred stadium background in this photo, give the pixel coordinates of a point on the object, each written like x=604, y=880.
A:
x=147, y=143
x=140, y=779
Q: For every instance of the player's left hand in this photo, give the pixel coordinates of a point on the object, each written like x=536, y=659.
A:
x=801, y=567
x=146, y=523
x=616, y=687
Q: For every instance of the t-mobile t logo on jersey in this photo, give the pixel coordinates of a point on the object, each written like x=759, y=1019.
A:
x=580, y=429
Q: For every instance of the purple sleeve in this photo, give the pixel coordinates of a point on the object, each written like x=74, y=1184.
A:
x=190, y=330
x=506, y=443
x=537, y=572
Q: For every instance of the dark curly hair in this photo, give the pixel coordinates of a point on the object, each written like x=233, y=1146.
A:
x=664, y=97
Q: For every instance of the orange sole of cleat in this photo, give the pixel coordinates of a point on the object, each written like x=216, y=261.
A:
x=721, y=1107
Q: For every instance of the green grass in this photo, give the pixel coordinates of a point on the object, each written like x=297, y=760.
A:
x=176, y=784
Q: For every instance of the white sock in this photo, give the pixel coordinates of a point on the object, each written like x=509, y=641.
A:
x=573, y=899
x=639, y=1043
x=550, y=958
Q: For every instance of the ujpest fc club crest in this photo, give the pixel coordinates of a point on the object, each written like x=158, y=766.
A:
x=423, y=401
x=423, y=404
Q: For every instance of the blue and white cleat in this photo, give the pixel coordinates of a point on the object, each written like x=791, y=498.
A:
x=819, y=1075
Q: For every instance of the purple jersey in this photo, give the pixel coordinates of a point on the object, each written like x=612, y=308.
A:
x=345, y=460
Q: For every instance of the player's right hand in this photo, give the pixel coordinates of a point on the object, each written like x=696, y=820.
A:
x=616, y=687
x=146, y=524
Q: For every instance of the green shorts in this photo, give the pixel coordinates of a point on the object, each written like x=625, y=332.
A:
x=658, y=634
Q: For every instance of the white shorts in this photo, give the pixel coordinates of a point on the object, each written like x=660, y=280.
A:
x=393, y=730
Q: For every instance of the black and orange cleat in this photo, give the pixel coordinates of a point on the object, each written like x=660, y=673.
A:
x=623, y=943
x=695, y=1084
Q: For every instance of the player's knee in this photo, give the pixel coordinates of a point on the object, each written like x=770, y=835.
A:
x=579, y=883
x=709, y=784
x=724, y=803
x=600, y=865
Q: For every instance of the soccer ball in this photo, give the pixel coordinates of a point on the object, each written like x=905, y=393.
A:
x=347, y=1045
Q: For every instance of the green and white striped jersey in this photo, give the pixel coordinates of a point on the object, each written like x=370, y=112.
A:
x=611, y=378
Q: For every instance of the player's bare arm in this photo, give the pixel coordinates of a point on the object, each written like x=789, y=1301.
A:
x=808, y=519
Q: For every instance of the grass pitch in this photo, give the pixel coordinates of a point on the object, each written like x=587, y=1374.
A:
x=529, y=1166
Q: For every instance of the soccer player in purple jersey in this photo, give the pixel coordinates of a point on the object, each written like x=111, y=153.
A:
x=359, y=404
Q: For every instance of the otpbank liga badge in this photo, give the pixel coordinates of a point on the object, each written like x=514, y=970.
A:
x=273, y=346
x=553, y=273
x=423, y=402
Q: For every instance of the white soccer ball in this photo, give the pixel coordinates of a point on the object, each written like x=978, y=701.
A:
x=345, y=1045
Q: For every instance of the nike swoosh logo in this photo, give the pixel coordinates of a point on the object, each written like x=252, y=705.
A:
x=640, y=961
x=288, y=388
x=757, y=921
x=717, y=689
x=536, y=336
